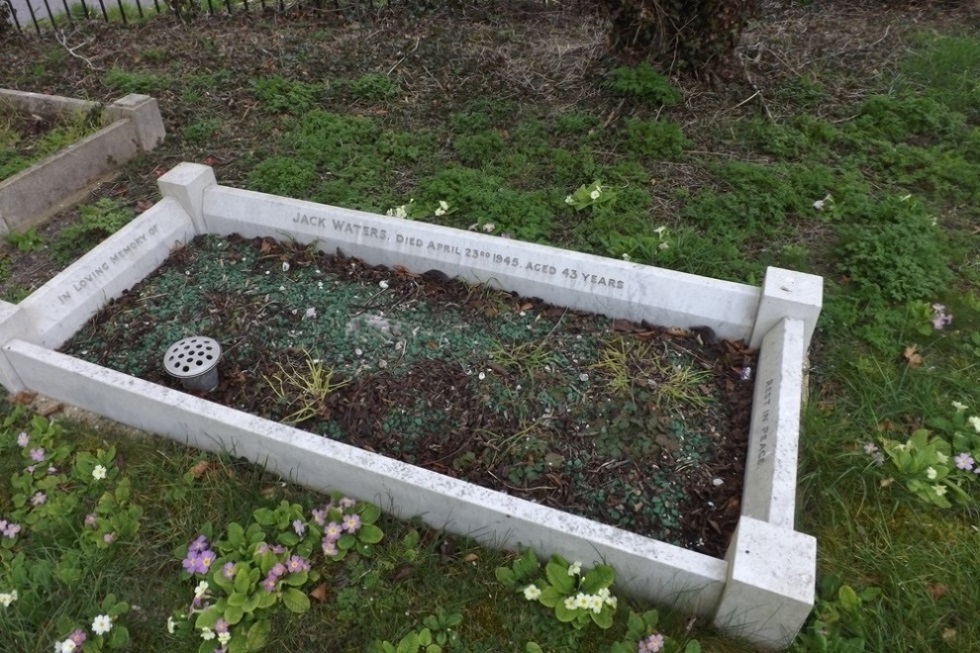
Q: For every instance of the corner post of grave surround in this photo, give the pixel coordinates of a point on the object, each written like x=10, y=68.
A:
x=15, y=324
x=786, y=293
x=770, y=585
x=186, y=183
x=144, y=112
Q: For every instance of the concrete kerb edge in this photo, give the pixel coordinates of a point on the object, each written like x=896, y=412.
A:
x=788, y=293
x=771, y=584
x=143, y=112
x=680, y=576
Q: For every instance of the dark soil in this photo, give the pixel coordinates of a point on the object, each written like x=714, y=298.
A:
x=505, y=392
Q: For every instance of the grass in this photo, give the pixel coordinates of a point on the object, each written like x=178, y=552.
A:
x=23, y=143
x=503, y=132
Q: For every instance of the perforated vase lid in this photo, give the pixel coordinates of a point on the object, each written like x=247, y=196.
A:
x=192, y=357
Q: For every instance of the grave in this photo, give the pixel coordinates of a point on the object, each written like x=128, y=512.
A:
x=131, y=125
x=763, y=589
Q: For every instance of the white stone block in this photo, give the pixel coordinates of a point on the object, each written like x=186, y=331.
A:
x=769, y=489
x=580, y=281
x=786, y=293
x=144, y=114
x=14, y=324
x=61, y=307
x=769, y=591
x=186, y=183
x=648, y=568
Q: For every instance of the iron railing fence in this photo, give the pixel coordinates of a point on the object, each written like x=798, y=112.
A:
x=43, y=16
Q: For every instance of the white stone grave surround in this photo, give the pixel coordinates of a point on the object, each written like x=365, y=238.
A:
x=763, y=589
x=29, y=197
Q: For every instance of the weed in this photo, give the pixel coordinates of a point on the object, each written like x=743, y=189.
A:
x=202, y=131
x=96, y=222
x=373, y=87
x=837, y=625
x=26, y=241
x=654, y=138
x=131, y=81
x=893, y=250
x=277, y=94
x=644, y=84
x=528, y=357
x=304, y=392
x=289, y=176
x=947, y=68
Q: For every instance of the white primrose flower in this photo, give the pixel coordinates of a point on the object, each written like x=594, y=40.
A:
x=201, y=589
x=99, y=472
x=489, y=227
x=595, y=194
x=575, y=568
x=975, y=423
x=570, y=603
x=207, y=634
x=959, y=406
x=171, y=624
x=443, y=208
x=532, y=592
x=102, y=624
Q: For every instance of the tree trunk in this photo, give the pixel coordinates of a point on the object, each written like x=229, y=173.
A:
x=693, y=36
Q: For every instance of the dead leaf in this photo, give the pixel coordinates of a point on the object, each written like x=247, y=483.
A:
x=402, y=574
x=25, y=398
x=143, y=205
x=885, y=482
x=202, y=468
x=470, y=557
x=912, y=356
x=319, y=593
x=938, y=590
x=949, y=634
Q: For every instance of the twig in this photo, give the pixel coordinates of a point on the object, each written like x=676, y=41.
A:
x=63, y=40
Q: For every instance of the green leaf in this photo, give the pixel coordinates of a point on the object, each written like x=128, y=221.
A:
x=370, y=513
x=870, y=593
x=370, y=534
x=288, y=538
x=532, y=647
x=258, y=635
x=506, y=577
x=234, y=614
x=635, y=626
x=527, y=565
x=601, y=576
x=264, y=517
x=558, y=576
x=408, y=644
x=550, y=597
x=425, y=637
x=565, y=615
x=693, y=646
x=119, y=636
x=848, y=598
x=236, y=535
x=604, y=618
x=242, y=579
x=295, y=601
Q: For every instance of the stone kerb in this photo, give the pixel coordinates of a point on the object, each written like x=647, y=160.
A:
x=769, y=490
x=48, y=106
x=580, y=281
x=645, y=567
x=769, y=589
x=786, y=293
x=14, y=323
x=34, y=194
x=60, y=307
